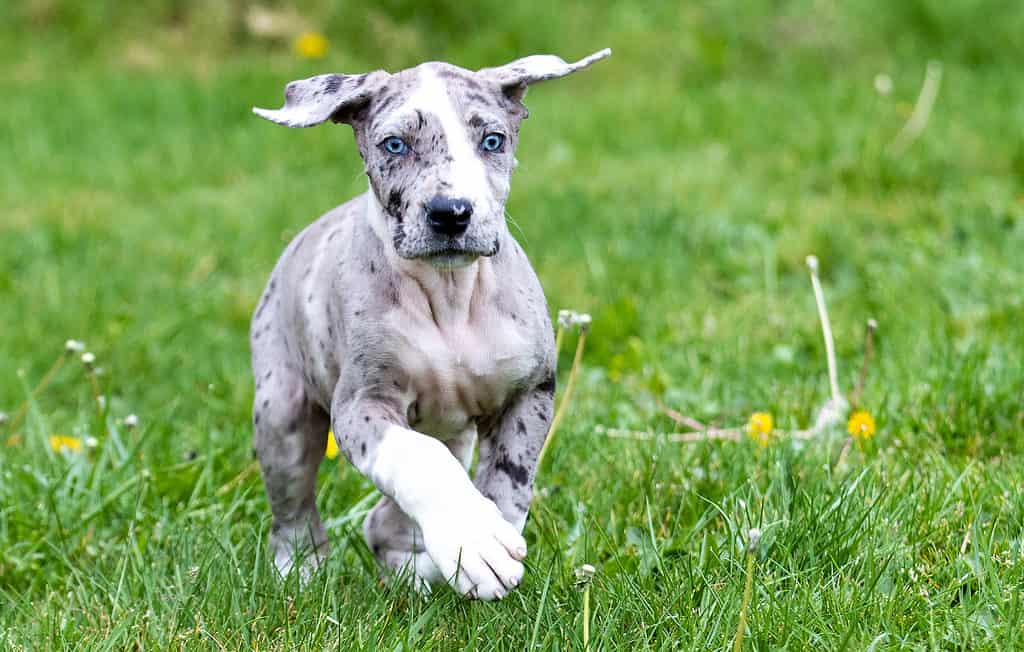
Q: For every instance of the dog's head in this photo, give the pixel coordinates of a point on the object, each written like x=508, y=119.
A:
x=438, y=142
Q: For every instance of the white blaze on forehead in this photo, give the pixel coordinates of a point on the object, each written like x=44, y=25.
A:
x=466, y=174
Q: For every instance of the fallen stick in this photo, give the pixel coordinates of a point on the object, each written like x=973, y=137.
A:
x=680, y=418
x=731, y=434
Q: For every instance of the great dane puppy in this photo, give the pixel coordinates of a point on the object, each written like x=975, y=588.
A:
x=410, y=320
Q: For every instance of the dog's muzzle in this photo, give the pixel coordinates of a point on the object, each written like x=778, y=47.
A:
x=449, y=216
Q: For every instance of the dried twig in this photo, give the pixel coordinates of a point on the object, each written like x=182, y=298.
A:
x=680, y=418
x=22, y=410
x=730, y=434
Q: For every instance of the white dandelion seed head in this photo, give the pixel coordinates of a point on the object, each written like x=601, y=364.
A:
x=74, y=346
x=873, y=323
x=91, y=442
x=88, y=358
x=883, y=84
x=583, y=319
x=131, y=421
x=566, y=318
x=585, y=573
x=753, y=538
x=3, y=418
x=831, y=414
x=812, y=263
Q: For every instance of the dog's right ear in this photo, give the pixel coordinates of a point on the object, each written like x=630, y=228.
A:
x=309, y=102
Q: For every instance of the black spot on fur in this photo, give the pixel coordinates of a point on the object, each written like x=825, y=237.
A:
x=547, y=385
x=373, y=267
x=383, y=102
x=362, y=449
x=520, y=427
x=516, y=472
x=366, y=419
x=394, y=206
x=332, y=84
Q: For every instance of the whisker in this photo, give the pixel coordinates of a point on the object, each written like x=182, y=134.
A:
x=522, y=233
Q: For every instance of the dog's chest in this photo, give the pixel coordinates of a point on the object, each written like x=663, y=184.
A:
x=459, y=373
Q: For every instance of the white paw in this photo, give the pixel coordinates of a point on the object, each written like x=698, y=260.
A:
x=475, y=549
x=415, y=565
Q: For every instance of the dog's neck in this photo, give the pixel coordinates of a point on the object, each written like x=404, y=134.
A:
x=449, y=296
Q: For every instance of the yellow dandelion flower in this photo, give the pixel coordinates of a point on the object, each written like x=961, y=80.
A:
x=759, y=428
x=861, y=425
x=332, y=446
x=61, y=443
x=311, y=45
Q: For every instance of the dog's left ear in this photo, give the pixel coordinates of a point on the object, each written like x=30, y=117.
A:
x=309, y=102
x=515, y=77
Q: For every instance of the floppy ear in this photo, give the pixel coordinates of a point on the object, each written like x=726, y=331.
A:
x=309, y=102
x=516, y=76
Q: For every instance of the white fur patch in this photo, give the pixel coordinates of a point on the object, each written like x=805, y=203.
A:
x=468, y=175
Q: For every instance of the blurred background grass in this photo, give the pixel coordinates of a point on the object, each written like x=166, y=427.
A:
x=672, y=191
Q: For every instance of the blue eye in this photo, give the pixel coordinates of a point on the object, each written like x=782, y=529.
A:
x=395, y=145
x=492, y=142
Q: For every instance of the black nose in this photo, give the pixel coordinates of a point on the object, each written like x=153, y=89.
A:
x=449, y=216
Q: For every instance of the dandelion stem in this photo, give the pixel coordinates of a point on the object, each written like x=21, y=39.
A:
x=826, y=329
x=22, y=410
x=748, y=590
x=869, y=347
x=95, y=391
x=586, y=617
x=922, y=109
x=566, y=397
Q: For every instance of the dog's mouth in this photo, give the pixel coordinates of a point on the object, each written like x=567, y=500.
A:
x=451, y=258
x=453, y=254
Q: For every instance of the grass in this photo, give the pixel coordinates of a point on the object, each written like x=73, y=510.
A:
x=672, y=192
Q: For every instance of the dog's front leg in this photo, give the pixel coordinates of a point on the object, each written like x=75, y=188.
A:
x=465, y=534
x=509, y=449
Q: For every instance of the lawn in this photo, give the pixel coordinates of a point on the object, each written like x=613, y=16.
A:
x=672, y=192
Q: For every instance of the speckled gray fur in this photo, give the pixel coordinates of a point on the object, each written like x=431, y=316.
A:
x=371, y=320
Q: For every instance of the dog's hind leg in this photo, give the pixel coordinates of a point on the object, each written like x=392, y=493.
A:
x=396, y=541
x=291, y=438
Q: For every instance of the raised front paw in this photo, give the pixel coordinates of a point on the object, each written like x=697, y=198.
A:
x=477, y=551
